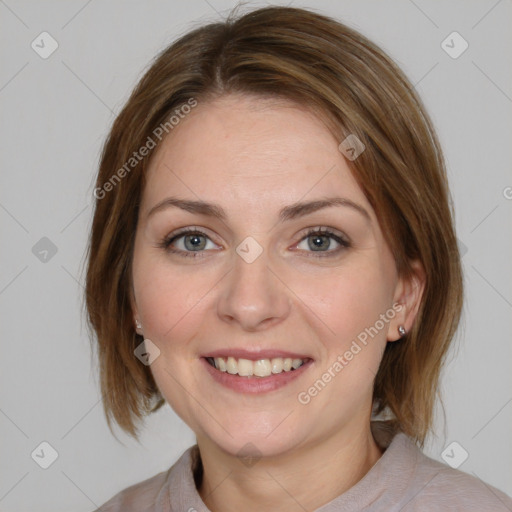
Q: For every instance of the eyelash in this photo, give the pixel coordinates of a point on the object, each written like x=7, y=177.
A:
x=166, y=242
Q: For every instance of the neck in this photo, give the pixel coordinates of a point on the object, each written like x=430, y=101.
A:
x=278, y=482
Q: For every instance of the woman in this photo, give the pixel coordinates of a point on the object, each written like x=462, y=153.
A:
x=273, y=254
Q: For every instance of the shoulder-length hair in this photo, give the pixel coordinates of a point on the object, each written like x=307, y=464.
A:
x=355, y=88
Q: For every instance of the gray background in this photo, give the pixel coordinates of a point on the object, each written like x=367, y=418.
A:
x=56, y=113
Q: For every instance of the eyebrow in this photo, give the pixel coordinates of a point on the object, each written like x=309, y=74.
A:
x=290, y=212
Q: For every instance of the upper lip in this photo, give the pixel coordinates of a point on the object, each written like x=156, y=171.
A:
x=254, y=355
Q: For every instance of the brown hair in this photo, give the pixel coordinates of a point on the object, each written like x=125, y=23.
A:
x=356, y=89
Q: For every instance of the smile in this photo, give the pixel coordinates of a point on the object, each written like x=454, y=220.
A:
x=259, y=368
x=254, y=376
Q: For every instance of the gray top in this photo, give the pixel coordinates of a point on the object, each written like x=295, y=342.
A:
x=403, y=479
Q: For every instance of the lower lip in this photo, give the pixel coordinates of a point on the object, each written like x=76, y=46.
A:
x=255, y=384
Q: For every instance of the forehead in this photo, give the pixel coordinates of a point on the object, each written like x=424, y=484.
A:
x=248, y=151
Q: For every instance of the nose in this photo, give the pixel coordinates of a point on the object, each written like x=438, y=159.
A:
x=253, y=295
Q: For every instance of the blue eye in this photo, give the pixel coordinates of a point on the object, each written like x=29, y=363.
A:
x=194, y=243
x=319, y=239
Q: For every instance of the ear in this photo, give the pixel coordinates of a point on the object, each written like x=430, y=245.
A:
x=137, y=325
x=408, y=293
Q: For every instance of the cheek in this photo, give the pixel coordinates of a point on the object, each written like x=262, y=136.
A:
x=349, y=299
x=170, y=306
x=169, y=299
x=350, y=304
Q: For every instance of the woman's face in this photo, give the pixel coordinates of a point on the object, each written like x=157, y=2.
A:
x=256, y=281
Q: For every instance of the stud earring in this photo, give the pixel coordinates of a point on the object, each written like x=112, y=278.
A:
x=138, y=324
x=401, y=331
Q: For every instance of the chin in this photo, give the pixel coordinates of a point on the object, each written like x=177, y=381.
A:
x=253, y=437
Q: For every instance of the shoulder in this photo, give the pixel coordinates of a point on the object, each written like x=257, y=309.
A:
x=441, y=487
x=140, y=497
x=154, y=494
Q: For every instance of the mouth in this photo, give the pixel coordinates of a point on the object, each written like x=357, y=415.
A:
x=259, y=368
x=256, y=375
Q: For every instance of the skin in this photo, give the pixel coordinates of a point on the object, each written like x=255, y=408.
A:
x=253, y=157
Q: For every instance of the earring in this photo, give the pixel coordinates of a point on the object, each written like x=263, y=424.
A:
x=401, y=331
x=138, y=324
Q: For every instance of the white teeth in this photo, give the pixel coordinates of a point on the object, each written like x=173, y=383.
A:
x=245, y=367
x=231, y=365
x=260, y=368
x=277, y=365
x=296, y=363
x=221, y=364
